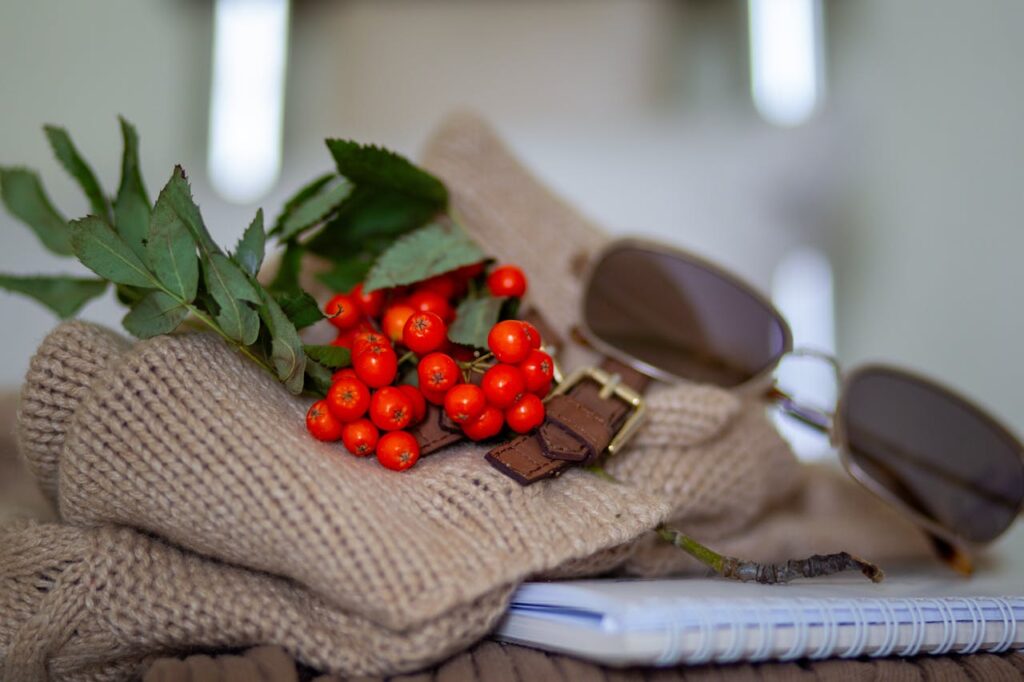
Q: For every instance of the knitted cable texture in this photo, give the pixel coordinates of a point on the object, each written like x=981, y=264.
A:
x=183, y=439
x=104, y=599
x=187, y=440
x=197, y=513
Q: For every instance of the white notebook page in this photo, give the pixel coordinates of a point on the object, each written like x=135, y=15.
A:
x=664, y=622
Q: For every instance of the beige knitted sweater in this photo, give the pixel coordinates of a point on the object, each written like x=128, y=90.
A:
x=196, y=512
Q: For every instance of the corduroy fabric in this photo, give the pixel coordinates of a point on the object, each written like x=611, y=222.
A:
x=494, y=662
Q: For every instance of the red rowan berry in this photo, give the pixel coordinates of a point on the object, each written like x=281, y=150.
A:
x=538, y=369
x=376, y=366
x=431, y=302
x=509, y=342
x=503, y=385
x=394, y=320
x=437, y=372
x=321, y=423
x=397, y=450
x=419, y=403
x=360, y=437
x=424, y=333
x=526, y=414
x=370, y=304
x=507, y=280
x=390, y=409
x=348, y=399
x=342, y=311
x=487, y=425
x=464, y=402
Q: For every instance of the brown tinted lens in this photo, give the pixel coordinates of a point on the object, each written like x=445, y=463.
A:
x=933, y=450
x=681, y=317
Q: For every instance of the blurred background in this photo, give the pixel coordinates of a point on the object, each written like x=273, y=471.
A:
x=859, y=161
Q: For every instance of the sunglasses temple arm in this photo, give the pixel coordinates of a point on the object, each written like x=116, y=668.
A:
x=816, y=419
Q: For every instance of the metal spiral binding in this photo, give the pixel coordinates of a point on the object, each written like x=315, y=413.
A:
x=738, y=635
x=892, y=629
x=800, y=635
x=830, y=627
x=860, y=638
x=917, y=632
x=948, y=627
x=767, y=641
x=809, y=618
x=977, y=628
x=1009, y=625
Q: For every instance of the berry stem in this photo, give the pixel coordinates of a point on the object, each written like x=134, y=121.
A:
x=769, y=574
x=212, y=324
x=409, y=356
x=745, y=570
x=209, y=322
x=477, y=365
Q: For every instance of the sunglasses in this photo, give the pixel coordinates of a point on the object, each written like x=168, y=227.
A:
x=932, y=454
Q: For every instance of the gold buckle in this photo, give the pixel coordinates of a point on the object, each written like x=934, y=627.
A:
x=611, y=385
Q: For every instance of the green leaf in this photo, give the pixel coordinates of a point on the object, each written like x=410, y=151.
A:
x=318, y=378
x=157, y=313
x=63, y=295
x=286, y=351
x=24, y=197
x=287, y=278
x=332, y=357
x=76, y=166
x=251, y=247
x=129, y=296
x=428, y=251
x=345, y=274
x=241, y=324
x=315, y=209
x=104, y=252
x=300, y=198
x=367, y=165
x=171, y=250
x=131, y=207
x=473, y=320
x=231, y=288
x=179, y=196
x=300, y=308
x=369, y=214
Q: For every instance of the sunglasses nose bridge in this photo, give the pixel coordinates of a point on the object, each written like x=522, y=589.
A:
x=817, y=417
x=821, y=355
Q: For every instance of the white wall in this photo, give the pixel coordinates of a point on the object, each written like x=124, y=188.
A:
x=929, y=243
x=79, y=65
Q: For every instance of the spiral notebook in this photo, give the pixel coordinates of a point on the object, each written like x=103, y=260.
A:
x=693, y=621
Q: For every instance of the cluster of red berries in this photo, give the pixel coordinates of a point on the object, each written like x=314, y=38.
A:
x=510, y=391
x=363, y=403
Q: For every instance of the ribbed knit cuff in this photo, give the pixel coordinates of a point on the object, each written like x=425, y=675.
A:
x=60, y=374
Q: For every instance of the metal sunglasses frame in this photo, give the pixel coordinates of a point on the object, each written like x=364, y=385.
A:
x=952, y=547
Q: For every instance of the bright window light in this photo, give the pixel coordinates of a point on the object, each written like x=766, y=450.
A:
x=803, y=293
x=250, y=41
x=786, y=59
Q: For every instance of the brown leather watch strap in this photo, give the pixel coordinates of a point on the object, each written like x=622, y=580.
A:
x=437, y=431
x=578, y=427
